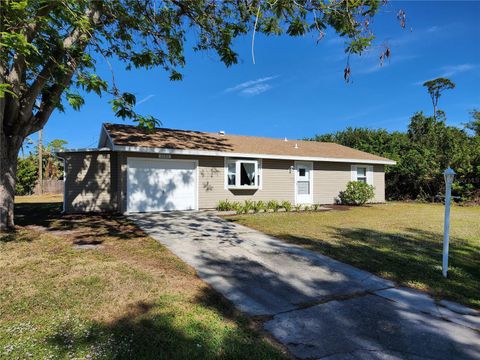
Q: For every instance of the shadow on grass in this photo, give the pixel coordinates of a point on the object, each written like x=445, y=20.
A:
x=85, y=227
x=155, y=331
x=411, y=258
x=159, y=331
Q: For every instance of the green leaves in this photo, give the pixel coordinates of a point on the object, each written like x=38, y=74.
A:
x=5, y=89
x=123, y=107
x=474, y=123
x=435, y=88
x=271, y=26
x=358, y=45
x=18, y=5
x=60, y=41
x=228, y=56
x=422, y=154
x=92, y=82
x=147, y=122
x=75, y=100
x=175, y=76
x=17, y=43
x=27, y=175
x=297, y=27
x=357, y=193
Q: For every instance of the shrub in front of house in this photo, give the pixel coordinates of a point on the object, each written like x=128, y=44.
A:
x=248, y=205
x=273, y=205
x=357, y=193
x=287, y=205
x=225, y=205
x=258, y=206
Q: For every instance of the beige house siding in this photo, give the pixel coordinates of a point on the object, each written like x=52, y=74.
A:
x=88, y=182
x=379, y=183
x=330, y=178
x=278, y=182
x=97, y=181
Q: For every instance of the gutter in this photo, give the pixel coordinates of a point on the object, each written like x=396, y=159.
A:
x=64, y=181
x=150, y=150
x=140, y=149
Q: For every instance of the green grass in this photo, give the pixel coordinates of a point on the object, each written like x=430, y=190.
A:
x=398, y=241
x=129, y=298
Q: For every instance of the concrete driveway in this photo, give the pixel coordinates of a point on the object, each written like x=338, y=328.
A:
x=317, y=307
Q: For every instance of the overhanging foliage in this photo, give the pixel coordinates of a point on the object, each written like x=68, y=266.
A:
x=422, y=153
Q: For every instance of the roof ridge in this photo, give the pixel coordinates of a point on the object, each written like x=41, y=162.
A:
x=125, y=135
x=216, y=133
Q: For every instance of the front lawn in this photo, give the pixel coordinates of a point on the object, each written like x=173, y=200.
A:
x=96, y=287
x=398, y=241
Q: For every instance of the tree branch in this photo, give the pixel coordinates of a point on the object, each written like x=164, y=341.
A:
x=17, y=73
x=48, y=104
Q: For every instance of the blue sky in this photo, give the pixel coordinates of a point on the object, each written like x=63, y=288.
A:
x=295, y=89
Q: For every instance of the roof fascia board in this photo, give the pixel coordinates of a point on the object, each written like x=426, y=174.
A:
x=66, y=151
x=245, y=155
x=105, y=140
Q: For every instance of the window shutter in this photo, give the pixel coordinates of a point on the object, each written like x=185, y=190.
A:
x=370, y=175
x=260, y=175
x=353, y=170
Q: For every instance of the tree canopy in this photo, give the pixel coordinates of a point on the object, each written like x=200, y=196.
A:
x=474, y=123
x=49, y=51
x=50, y=48
x=422, y=153
x=435, y=88
x=27, y=170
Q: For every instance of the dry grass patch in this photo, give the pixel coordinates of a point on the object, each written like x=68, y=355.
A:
x=45, y=198
x=97, y=287
x=398, y=241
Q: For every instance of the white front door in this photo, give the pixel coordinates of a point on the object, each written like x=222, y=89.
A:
x=303, y=182
x=160, y=185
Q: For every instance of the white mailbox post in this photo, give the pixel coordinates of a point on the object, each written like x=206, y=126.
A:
x=449, y=174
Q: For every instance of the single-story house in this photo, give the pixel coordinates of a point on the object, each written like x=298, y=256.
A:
x=136, y=170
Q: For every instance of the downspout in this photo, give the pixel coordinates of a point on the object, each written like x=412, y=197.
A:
x=64, y=183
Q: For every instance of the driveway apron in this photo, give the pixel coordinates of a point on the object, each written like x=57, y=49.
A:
x=319, y=308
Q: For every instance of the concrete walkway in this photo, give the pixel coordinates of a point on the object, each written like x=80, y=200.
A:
x=317, y=307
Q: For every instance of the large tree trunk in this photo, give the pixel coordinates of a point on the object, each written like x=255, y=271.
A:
x=9, y=147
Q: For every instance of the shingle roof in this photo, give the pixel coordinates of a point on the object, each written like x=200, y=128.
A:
x=133, y=136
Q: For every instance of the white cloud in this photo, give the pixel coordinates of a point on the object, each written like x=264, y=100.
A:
x=456, y=69
x=145, y=99
x=252, y=87
x=432, y=29
x=256, y=89
x=449, y=71
x=418, y=83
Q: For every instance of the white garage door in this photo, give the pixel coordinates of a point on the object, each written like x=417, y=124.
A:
x=160, y=185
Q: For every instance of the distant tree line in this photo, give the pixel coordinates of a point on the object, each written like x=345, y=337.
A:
x=427, y=148
x=423, y=152
x=27, y=169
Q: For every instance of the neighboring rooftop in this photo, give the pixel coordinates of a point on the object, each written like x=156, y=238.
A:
x=133, y=136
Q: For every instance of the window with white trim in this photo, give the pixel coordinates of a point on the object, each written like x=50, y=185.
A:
x=242, y=173
x=362, y=174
